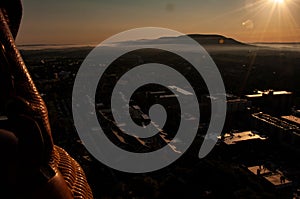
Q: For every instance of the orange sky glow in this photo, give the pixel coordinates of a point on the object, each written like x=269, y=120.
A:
x=90, y=22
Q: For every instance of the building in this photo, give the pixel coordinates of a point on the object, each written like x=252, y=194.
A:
x=275, y=179
x=241, y=146
x=283, y=130
x=293, y=119
x=237, y=105
x=236, y=112
x=240, y=137
x=271, y=102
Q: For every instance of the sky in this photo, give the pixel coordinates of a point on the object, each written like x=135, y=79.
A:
x=92, y=21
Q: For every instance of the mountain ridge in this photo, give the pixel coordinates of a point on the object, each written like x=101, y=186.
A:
x=215, y=39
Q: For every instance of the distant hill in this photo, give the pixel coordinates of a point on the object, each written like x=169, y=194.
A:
x=215, y=39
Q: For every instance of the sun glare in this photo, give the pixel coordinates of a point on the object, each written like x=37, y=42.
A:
x=272, y=20
x=278, y=1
